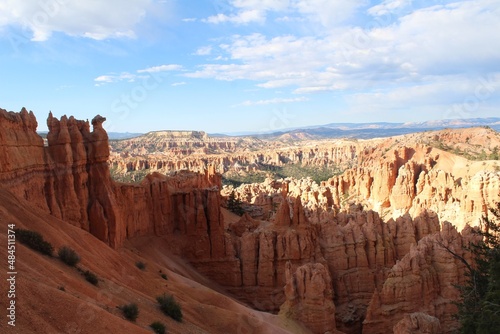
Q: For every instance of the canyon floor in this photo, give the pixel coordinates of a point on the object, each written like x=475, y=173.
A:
x=356, y=247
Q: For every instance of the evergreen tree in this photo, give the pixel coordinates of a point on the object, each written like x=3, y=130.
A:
x=479, y=309
x=234, y=204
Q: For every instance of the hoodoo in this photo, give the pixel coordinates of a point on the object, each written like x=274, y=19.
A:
x=359, y=253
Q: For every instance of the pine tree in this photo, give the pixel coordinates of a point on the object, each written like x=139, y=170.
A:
x=234, y=204
x=479, y=309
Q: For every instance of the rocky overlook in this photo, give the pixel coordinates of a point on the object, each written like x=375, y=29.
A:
x=359, y=252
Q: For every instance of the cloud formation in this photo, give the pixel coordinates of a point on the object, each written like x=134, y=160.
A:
x=325, y=12
x=93, y=19
x=140, y=74
x=433, y=53
x=161, y=68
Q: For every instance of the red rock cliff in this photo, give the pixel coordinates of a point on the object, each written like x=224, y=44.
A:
x=70, y=179
x=374, y=273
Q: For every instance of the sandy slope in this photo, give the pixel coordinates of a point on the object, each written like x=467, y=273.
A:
x=83, y=308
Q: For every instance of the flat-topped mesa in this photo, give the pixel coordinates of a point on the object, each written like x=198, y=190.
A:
x=177, y=135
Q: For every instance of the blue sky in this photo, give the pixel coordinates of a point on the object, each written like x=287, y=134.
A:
x=250, y=65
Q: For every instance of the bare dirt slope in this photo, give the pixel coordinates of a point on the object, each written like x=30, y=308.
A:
x=54, y=298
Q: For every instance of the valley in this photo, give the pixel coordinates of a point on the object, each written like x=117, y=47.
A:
x=356, y=246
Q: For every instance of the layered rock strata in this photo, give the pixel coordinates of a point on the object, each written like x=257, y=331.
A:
x=423, y=282
x=309, y=297
x=70, y=179
x=405, y=181
x=316, y=248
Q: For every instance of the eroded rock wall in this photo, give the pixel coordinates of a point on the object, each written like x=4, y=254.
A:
x=70, y=179
x=367, y=245
x=423, y=282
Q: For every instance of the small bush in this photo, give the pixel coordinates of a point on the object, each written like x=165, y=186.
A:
x=164, y=277
x=34, y=240
x=158, y=327
x=90, y=277
x=234, y=204
x=68, y=256
x=141, y=265
x=130, y=311
x=61, y=288
x=170, y=307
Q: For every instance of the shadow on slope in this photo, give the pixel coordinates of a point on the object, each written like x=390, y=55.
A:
x=54, y=298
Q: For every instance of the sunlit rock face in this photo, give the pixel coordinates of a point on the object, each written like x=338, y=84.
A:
x=364, y=251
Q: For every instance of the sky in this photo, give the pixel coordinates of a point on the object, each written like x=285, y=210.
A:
x=228, y=66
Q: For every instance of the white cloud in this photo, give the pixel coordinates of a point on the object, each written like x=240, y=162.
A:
x=175, y=84
x=437, y=98
x=104, y=78
x=271, y=101
x=243, y=17
x=91, y=18
x=275, y=5
x=203, y=51
x=428, y=43
x=161, y=68
x=326, y=12
x=110, y=78
x=131, y=77
x=388, y=7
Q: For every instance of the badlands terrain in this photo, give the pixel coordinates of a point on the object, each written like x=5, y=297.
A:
x=357, y=247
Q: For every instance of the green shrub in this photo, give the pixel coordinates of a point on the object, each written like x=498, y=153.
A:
x=158, y=327
x=68, y=256
x=296, y=171
x=130, y=311
x=90, y=277
x=234, y=204
x=170, y=307
x=34, y=240
x=141, y=265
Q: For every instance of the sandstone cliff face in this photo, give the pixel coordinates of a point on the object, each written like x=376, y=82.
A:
x=309, y=297
x=422, y=282
x=70, y=179
x=354, y=246
x=418, y=323
x=413, y=181
x=407, y=181
x=225, y=156
x=359, y=249
x=264, y=253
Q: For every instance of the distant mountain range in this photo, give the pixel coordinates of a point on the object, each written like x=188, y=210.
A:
x=123, y=135
x=373, y=130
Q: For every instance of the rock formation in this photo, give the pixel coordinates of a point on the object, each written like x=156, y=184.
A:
x=405, y=181
x=362, y=252
x=422, y=282
x=69, y=178
x=309, y=297
x=264, y=254
x=150, y=154
x=418, y=323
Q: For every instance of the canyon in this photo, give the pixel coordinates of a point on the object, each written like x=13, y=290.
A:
x=359, y=252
